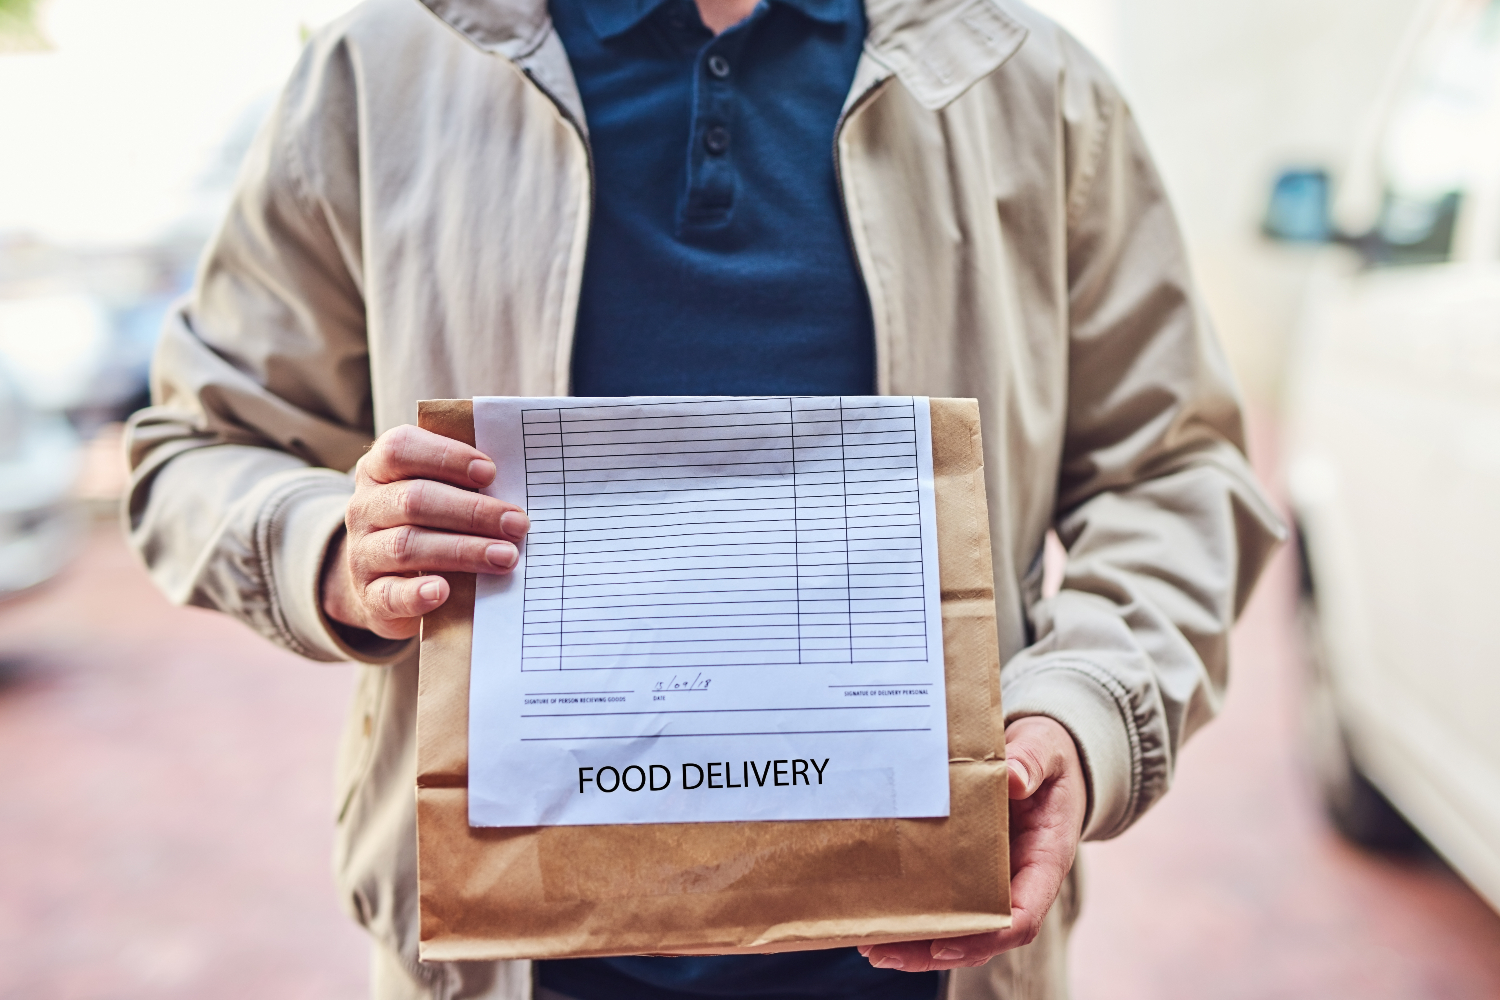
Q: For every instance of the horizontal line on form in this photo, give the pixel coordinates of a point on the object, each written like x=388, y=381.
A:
x=897, y=569
x=749, y=640
x=908, y=684
x=715, y=711
x=554, y=658
x=662, y=736
x=740, y=487
x=710, y=503
x=788, y=524
x=574, y=623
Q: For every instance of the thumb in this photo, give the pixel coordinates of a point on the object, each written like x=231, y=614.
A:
x=1027, y=757
x=1023, y=780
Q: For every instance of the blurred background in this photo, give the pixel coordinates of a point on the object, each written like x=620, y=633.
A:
x=165, y=807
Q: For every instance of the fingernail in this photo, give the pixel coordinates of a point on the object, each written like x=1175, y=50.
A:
x=482, y=471
x=431, y=590
x=514, y=523
x=1019, y=770
x=948, y=955
x=889, y=962
x=501, y=555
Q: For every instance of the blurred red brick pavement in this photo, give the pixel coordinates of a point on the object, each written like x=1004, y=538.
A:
x=165, y=814
x=165, y=801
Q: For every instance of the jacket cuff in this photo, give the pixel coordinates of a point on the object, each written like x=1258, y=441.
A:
x=1094, y=708
x=298, y=527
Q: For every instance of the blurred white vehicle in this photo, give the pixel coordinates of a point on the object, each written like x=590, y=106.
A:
x=41, y=523
x=1394, y=452
x=54, y=352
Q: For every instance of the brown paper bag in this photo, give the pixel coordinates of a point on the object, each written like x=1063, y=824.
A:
x=726, y=888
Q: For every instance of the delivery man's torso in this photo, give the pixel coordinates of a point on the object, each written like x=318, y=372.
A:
x=415, y=223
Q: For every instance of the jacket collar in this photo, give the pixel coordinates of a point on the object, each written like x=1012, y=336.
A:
x=937, y=48
x=940, y=48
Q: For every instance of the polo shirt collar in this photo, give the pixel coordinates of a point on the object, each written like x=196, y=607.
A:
x=612, y=18
x=938, y=48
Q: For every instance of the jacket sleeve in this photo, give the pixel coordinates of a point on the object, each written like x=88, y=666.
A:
x=261, y=386
x=1165, y=527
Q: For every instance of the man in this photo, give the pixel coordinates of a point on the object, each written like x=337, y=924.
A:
x=609, y=197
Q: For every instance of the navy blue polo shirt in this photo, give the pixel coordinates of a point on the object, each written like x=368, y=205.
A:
x=718, y=257
x=719, y=263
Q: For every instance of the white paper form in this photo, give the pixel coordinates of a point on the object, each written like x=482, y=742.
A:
x=726, y=609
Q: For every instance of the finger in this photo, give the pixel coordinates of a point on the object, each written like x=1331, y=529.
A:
x=973, y=949
x=1036, y=883
x=1044, y=837
x=904, y=956
x=955, y=953
x=397, y=603
x=437, y=505
x=919, y=956
x=409, y=549
x=976, y=949
x=408, y=452
x=1029, y=905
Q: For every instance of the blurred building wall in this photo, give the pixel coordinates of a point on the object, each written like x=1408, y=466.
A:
x=1227, y=91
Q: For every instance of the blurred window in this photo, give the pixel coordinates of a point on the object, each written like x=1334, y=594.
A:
x=1442, y=136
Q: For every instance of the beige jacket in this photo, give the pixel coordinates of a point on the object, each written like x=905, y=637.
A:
x=412, y=224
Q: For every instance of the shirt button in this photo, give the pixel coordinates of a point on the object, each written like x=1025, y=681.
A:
x=716, y=140
x=718, y=66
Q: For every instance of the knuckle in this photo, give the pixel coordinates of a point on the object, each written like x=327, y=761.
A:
x=398, y=437
x=1029, y=931
x=357, y=513
x=403, y=544
x=357, y=558
x=1027, y=755
x=394, y=446
x=357, y=577
x=393, y=600
x=380, y=451
x=469, y=552
x=387, y=599
x=454, y=457
x=373, y=596
x=409, y=499
x=476, y=515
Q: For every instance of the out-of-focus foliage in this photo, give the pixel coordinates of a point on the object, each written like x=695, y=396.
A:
x=18, y=27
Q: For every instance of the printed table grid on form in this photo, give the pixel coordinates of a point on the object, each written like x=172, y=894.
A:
x=749, y=532
x=724, y=586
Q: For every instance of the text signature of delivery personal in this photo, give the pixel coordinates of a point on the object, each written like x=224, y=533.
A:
x=718, y=774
